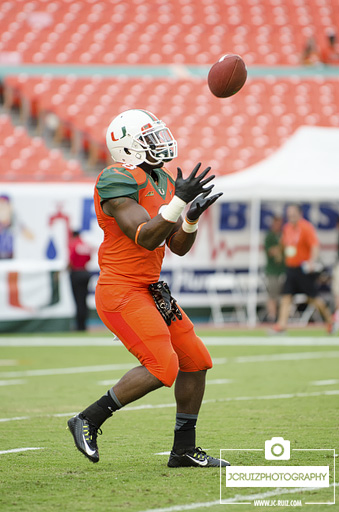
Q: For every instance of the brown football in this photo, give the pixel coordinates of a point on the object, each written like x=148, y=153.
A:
x=227, y=76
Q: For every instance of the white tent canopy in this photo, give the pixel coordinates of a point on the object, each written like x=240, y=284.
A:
x=306, y=167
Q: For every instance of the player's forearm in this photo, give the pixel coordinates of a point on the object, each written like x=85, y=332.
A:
x=181, y=242
x=275, y=250
x=156, y=230
x=314, y=254
x=152, y=233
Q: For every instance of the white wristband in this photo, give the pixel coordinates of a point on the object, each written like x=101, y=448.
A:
x=188, y=226
x=172, y=211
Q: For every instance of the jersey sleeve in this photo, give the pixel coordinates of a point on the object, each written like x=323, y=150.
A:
x=311, y=234
x=117, y=182
x=269, y=241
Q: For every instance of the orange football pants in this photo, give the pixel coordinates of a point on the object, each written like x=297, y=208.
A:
x=132, y=316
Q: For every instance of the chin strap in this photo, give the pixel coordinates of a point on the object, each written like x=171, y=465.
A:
x=157, y=162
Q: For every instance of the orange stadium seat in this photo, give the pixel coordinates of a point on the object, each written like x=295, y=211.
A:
x=234, y=134
x=28, y=159
x=271, y=32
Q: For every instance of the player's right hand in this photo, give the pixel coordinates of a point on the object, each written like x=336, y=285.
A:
x=194, y=185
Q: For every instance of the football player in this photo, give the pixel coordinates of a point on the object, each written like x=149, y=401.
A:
x=139, y=206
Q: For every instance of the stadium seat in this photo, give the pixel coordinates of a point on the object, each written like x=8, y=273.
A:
x=271, y=32
x=242, y=132
x=234, y=133
x=28, y=159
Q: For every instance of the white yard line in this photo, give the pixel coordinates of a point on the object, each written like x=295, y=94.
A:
x=17, y=450
x=208, y=382
x=268, y=358
x=77, y=369
x=265, y=358
x=8, y=362
x=64, y=341
x=256, y=341
x=236, y=499
x=332, y=392
x=294, y=356
x=241, y=399
x=68, y=371
x=168, y=453
x=329, y=382
x=220, y=360
x=15, y=418
x=279, y=341
x=12, y=382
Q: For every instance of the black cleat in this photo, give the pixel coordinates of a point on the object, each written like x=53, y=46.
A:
x=195, y=458
x=85, y=436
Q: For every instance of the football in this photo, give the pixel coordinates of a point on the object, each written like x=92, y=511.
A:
x=227, y=76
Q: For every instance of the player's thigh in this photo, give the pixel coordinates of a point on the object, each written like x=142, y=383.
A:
x=273, y=286
x=307, y=284
x=192, y=353
x=290, y=286
x=133, y=318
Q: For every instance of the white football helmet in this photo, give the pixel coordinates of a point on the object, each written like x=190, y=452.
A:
x=135, y=135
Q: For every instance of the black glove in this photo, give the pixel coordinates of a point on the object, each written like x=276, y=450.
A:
x=200, y=204
x=165, y=303
x=190, y=188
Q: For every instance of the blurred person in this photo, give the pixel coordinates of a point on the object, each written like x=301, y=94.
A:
x=275, y=267
x=139, y=206
x=310, y=54
x=79, y=256
x=335, y=286
x=301, y=248
x=6, y=229
x=10, y=227
x=330, y=50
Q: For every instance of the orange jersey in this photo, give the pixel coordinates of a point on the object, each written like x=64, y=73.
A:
x=298, y=242
x=121, y=260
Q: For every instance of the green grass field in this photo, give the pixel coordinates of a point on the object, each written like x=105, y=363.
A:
x=288, y=387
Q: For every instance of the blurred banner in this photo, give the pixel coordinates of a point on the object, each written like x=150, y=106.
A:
x=35, y=220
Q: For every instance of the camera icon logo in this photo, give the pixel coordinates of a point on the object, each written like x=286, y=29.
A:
x=277, y=448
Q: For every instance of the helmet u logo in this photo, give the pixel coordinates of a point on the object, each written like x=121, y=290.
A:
x=123, y=129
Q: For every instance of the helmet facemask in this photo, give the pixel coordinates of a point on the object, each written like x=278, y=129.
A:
x=158, y=142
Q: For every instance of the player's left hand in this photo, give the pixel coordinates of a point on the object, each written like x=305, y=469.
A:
x=200, y=204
